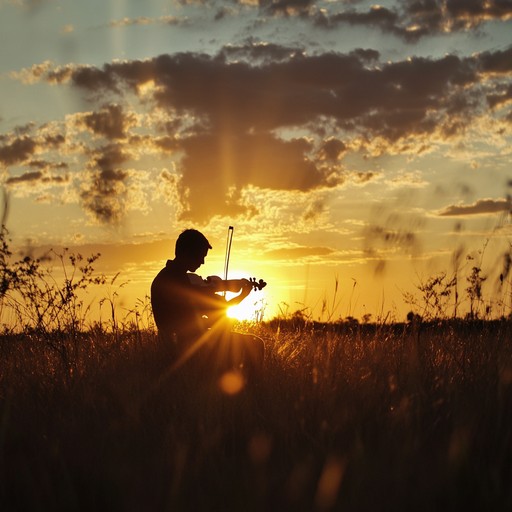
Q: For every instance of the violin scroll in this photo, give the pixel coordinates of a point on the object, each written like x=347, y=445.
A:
x=257, y=285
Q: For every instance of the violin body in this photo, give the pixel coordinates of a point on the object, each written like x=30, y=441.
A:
x=213, y=304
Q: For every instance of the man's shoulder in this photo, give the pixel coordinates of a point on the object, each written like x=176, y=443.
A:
x=171, y=273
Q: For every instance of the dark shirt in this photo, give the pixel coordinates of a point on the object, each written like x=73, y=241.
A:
x=178, y=305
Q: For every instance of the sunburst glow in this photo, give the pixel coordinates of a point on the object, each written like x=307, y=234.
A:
x=247, y=310
x=251, y=308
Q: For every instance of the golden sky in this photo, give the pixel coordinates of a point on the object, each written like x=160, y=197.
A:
x=348, y=142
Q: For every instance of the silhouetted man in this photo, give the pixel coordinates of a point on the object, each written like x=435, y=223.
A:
x=190, y=314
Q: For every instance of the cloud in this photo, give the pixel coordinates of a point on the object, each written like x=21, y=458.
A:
x=259, y=52
x=228, y=121
x=288, y=7
x=17, y=150
x=143, y=20
x=104, y=191
x=496, y=62
x=110, y=122
x=215, y=165
x=39, y=183
x=393, y=100
x=54, y=140
x=37, y=177
x=332, y=149
x=35, y=73
x=411, y=179
x=500, y=98
x=480, y=207
x=28, y=177
x=411, y=21
x=376, y=17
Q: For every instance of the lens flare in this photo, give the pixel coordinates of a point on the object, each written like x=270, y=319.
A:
x=231, y=383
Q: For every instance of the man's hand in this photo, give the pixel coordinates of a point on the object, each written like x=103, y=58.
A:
x=244, y=291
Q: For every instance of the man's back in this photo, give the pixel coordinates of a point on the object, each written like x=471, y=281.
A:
x=174, y=304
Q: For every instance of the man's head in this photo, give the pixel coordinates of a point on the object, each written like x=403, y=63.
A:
x=192, y=248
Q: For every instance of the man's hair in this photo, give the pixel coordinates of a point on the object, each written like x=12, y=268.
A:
x=190, y=242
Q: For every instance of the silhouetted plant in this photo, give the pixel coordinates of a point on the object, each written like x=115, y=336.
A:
x=474, y=291
x=140, y=317
x=35, y=299
x=436, y=293
x=111, y=301
x=329, y=311
x=7, y=276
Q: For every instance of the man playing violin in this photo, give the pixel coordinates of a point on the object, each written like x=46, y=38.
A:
x=190, y=314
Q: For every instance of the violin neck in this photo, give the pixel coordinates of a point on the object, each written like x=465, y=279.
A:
x=232, y=285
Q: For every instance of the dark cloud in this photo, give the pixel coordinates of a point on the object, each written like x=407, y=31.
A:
x=480, y=207
x=332, y=149
x=287, y=7
x=379, y=17
x=392, y=100
x=471, y=13
x=104, y=196
x=216, y=166
x=28, y=177
x=109, y=156
x=226, y=116
x=43, y=164
x=90, y=78
x=419, y=18
x=55, y=140
x=499, y=62
x=166, y=143
x=111, y=122
x=364, y=177
x=35, y=178
x=104, y=192
x=500, y=97
x=17, y=150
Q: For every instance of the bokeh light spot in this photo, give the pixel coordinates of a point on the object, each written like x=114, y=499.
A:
x=231, y=383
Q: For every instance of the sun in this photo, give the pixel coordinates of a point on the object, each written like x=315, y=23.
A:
x=249, y=309
x=242, y=311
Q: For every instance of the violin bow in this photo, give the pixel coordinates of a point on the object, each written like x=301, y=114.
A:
x=228, y=252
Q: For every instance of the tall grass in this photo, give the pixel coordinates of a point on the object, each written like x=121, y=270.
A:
x=347, y=417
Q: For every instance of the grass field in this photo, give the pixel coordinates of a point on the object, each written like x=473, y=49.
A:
x=346, y=417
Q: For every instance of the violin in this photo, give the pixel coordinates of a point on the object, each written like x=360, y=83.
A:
x=218, y=284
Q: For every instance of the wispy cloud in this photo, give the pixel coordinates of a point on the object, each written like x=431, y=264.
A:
x=480, y=207
x=143, y=20
x=409, y=21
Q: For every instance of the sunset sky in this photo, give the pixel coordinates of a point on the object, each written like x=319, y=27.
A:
x=345, y=141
